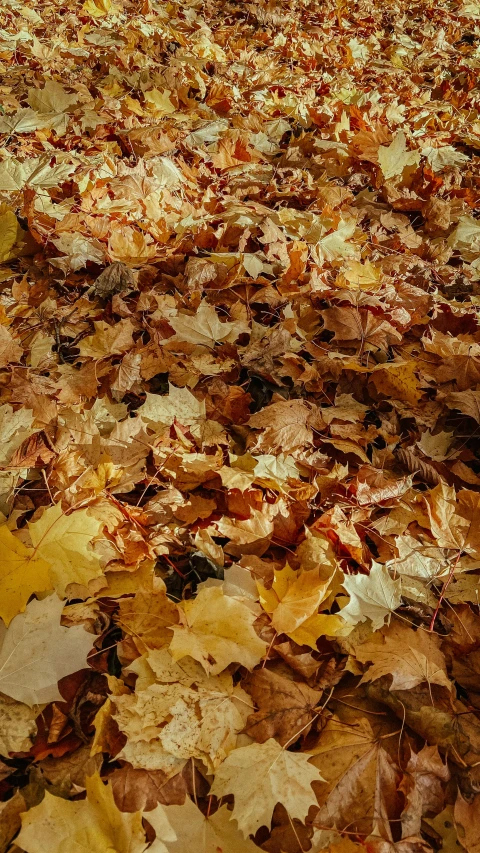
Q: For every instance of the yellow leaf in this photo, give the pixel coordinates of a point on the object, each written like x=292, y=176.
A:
x=398, y=381
x=108, y=339
x=217, y=630
x=100, y=8
x=246, y=531
x=53, y=98
x=9, y=233
x=205, y=328
x=394, y=158
x=261, y=775
x=10, y=349
x=179, y=405
x=216, y=833
x=130, y=246
x=94, y=824
x=358, y=276
x=22, y=573
x=320, y=625
x=293, y=598
x=334, y=246
x=179, y=713
x=159, y=102
x=63, y=541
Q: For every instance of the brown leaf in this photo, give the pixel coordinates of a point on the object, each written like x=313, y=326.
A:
x=114, y=279
x=287, y=424
x=10, y=819
x=361, y=326
x=467, y=820
x=302, y=662
x=373, y=486
x=418, y=466
x=286, y=709
x=422, y=787
x=136, y=790
x=467, y=402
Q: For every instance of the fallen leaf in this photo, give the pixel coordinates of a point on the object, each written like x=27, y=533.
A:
x=410, y=657
x=374, y=596
x=293, y=598
x=216, y=630
x=394, y=158
x=17, y=726
x=22, y=573
x=286, y=709
x=37, y=652
x=64, y=542
x=466, y=821
x=262, y=775
x=212, y=834
x=422, y=788
x=205, y=327
x=95, y=824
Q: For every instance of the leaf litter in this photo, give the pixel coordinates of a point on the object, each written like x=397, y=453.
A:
x=239, y=422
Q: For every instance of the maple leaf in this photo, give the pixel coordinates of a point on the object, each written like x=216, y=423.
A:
x=77, y=251
x=287, y=424
x=255, y=529
x=336, y=245
x=23, y=121
x=374, y=596
x=94, y=824
x=36, y=171
x=466, y=237
x=10, y=349
x=368, y=780
x=459, y=360
x=360, y=276
x=466, y=820
x=15, y=427
x=179, y=714
x=37, y=652
x=205, y=328
x=394, y=158
x=216, y=630
x=338, y=748
x=422, y=788
x=436, y=446
x=360, y=325
x=216, y=833
x=64, y=542
x=21, y=574
x=293, y=598
x=467, y=402
x=398, y=381
x=148, y=617
x=410, y=657
x=108, y=339
x=455, y=520
x=134, y=789
x=262, y=775
x=285, y=708
x=180, y=405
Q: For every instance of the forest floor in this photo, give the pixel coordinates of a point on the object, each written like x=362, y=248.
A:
x=240, y=427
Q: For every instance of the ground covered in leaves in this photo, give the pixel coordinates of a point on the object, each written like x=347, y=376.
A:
x=239, y=423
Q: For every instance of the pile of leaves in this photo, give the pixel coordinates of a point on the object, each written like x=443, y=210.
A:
x=239, y=423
